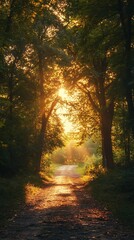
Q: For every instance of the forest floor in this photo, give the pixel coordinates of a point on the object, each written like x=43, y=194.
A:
x=63, y=210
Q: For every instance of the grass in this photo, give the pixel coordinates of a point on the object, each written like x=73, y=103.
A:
x=14, y=191
x=80, y=169
x=12, y=196
x=115, y=190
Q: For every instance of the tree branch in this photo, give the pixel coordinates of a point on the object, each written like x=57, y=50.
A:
x=87, y=92
x=52, y=108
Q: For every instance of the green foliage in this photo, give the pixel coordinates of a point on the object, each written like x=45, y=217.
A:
x=38, y=42
x=123, y=142
x=80, y=169
x=93, y=164
x=115, y=190
x=29, y=59
x=99, y=35
x=71, y=153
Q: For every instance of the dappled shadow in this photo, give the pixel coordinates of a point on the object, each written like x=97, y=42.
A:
x=38, y=181
x=13, y=194
x=63, y=212
x=64, y=194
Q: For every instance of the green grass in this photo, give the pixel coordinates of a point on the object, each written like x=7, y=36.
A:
x=115, y=190
x=80, y=168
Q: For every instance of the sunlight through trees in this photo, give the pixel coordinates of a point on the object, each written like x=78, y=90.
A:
x=66, y=71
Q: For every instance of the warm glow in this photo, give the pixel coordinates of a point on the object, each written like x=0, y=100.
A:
x=63, y=94
x=62, y=110
x=68, y=126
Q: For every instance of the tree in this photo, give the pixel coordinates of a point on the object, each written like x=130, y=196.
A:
x=99, y=50
x=16, y=133
x=122, y=136
x=29, y=84
x=126, y=12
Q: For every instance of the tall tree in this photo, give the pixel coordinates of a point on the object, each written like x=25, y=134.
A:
x=99, y=46
x=28, y=94
x=126, y=12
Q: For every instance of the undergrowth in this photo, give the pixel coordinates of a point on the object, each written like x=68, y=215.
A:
x=115, y=190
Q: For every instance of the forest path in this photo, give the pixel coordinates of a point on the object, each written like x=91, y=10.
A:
x=64, y=210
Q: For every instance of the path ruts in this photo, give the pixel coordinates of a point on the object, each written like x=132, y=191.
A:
x=63, y=211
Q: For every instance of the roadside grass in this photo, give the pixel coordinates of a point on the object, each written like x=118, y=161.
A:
x=115, y=190
x=81, y=169
x=53, y=167
x=14, y=192
x=12, y=197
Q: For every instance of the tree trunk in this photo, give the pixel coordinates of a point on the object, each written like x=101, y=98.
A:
x=45, y=115
x=41, y=137
x=130, y=103
x=40, y=143
x=107, y=152
x=106, y=116
x=105, y=109
x=128, y=76
x=127, y=150
x=126, y=139
x=126, y=14
x=10, y=118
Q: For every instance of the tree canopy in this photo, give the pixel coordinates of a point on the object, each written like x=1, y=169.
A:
x=85, y=46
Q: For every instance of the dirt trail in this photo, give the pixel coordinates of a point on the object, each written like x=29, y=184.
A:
x=64, y=211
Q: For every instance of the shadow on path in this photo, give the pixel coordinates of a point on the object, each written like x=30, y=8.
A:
x=65, y=211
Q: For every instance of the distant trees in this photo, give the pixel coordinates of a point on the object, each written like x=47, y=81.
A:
x=73, y=154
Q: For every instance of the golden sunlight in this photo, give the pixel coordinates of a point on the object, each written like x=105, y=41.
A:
x=68, y=126
x=63, y=93
x=62, y=110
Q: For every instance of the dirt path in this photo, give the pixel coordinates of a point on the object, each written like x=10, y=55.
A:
x=64, y=211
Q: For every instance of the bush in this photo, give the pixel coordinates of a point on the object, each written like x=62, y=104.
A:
x=115, y=190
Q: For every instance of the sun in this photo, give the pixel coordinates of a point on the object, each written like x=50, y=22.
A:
x=63, y=93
